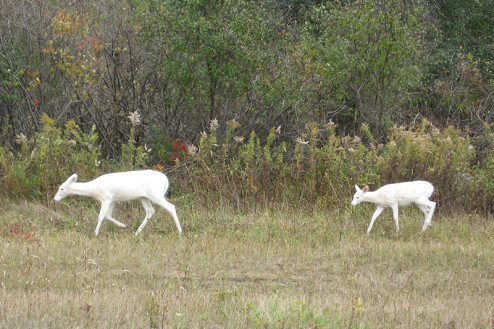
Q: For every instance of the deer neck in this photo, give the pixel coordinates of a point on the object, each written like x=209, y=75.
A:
x=83, y=189
x=372, y=197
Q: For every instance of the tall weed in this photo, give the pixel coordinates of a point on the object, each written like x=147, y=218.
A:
x=319, y=167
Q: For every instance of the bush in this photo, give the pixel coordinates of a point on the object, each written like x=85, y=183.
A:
x=317, y=168
x=322, y=167
x=47, y=159
x=442, y=157
x=237, y=172
x=482, y=181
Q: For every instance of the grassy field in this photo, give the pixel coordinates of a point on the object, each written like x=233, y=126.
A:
x=276, y=268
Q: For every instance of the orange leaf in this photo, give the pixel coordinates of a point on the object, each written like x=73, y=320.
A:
x=48, y=50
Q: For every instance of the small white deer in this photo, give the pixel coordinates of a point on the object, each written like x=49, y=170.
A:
x=399, y=194
x=142, y=185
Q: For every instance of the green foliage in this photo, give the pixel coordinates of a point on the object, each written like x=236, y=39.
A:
x=209, y=49
x=463, y=91
x=483, y=177
x=133, y=156
x=47, y=159
x=10, y=81
x=238, y=171
x=318, y=167
x=297, y=313
x=367, y=57
x=467, y=24
x=459, y=83
x=184, y=64
x=321, y=167
x=345, y=162
x=442, y=156
x=155, y=312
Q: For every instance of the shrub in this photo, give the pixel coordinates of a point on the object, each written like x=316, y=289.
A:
x=47, y=158
x=321, y=167
x=236, y=171
x=443, y=157
x=318, y=167
x=482, y=181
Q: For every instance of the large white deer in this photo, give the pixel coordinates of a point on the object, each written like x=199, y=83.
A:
x=145, y=185
x=399, y=194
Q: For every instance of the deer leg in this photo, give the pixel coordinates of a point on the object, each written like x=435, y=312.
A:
x=149, y=213
x=171, y=209
x=110, y=218
x=376, y=214
x=427, y=208
x=102, y=213
x=395, y=216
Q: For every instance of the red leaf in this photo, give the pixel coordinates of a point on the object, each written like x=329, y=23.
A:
x=176, y=145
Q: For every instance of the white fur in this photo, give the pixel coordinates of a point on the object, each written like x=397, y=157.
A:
x=145, y=185
x=399, y=194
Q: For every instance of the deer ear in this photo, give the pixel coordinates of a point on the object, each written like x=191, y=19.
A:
x=72, y=179
x=365, y=189
x=357, y=188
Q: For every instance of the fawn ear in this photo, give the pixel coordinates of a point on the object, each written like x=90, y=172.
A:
x=365, y=189
x=357, y=188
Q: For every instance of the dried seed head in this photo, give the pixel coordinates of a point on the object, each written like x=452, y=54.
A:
x=134, y=117
x=192, y=149
x=234, y=124
x=213, y=126
x=20, y=138
x=239, y=139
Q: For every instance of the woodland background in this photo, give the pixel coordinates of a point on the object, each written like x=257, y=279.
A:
x=266, y=101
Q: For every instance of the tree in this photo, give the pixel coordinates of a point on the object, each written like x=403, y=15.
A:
x=367, y=59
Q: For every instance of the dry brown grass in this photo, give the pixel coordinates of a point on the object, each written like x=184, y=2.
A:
x=277, y=269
